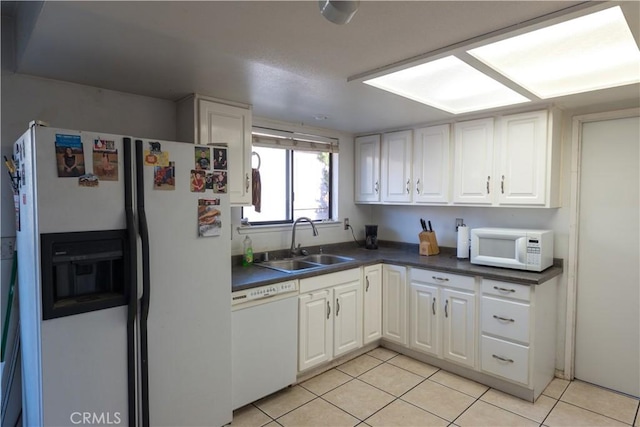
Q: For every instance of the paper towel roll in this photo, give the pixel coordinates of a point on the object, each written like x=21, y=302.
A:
x=463, y=241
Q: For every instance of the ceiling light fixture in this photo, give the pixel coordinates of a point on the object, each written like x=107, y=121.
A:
x=591, y=52
x=450, y=85
x=338, y=11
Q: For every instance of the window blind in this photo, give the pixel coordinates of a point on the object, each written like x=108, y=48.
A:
x=264, y=137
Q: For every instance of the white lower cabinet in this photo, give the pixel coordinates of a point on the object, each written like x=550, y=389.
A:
x=394, y=304
x=372, y=296
x=443, y=315
x=330, y=317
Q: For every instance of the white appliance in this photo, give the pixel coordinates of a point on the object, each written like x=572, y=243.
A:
x=151, y=349
x=519, y=249
x=264, y=344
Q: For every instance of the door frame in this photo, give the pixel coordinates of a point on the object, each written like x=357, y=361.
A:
x=574, y=222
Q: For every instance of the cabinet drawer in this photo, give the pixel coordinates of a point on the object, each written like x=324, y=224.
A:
x=505, y=289
x=505, y=359
x=323, y=281
x=439, y=278
x=508, y=319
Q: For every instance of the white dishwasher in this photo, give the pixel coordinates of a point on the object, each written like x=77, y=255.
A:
x=264, y=341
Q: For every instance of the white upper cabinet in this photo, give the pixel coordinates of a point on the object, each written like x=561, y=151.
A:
x=208, y=121
x=367, y=171
x=522, y=167
x=431, y=169
x=473, y=170
x=395, y=165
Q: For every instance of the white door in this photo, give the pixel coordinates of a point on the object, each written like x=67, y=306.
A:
x=394, y=304
x=473, y=162
x=607, y=347
x=424, y=318
x=367, y=168
x=372, y=303
x=347, y=319
x=395, y=161
x=431, y=168
x=315, y=329
x=459, y=326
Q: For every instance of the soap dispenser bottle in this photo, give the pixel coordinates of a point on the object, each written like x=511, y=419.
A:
x=247, y=252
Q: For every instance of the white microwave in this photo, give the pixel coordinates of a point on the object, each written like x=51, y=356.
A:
x=520, y=249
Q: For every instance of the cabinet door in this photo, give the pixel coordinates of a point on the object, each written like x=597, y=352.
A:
x=522, y=173
x=473, y=162
x=395, y=167
x=394, y=304
x=372, y=303
x=425, y=312
x=347, y=319
x=459, y=327
x=367, y=154
x=315, y=331
x=225, y=124
x=431, y=167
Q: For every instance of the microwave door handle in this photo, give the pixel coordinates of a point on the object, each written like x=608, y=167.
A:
x=521, y=250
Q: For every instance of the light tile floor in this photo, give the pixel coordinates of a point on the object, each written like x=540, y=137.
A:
x=384, y=388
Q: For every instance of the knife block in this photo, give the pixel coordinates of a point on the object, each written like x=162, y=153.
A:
x=428, y=243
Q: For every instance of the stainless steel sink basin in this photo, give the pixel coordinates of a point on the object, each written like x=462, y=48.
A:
x=326, y=259
x=289, y=265
x=306, y=263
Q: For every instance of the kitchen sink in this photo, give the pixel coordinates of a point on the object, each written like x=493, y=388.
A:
x=306, y=263
x=326, y=259
x=289, y=265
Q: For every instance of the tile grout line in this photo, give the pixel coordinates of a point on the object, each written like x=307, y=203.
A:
x=472, y=403
x=594, y=412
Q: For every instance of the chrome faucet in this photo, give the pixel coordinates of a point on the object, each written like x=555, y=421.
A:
x=295, y=250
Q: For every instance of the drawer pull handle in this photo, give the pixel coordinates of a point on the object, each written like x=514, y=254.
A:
x=444, y=279
x=502, y=358
x=446, y=312
x=503, y=289
x=433, y=307
x=504, y=319
x=367, y=279
x=337, y=306
x=328, y=309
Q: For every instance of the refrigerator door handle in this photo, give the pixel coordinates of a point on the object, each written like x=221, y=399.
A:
x=144, y=301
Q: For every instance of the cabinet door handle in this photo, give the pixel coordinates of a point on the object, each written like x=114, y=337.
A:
x=488, y=180
x=502, y=185
x=433, y=307
x=442, y=279
x=503, y=319
x=248, y=182
x=337, y=307
x=503, y=289
x=408, y=182
x=328, y=309
x=366, y=278
x=502, y=359
x=446, y=305
x=376, y=187
x=418, y=186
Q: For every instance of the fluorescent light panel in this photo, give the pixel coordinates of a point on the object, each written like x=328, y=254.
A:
x=450, y=85
x=592, y=52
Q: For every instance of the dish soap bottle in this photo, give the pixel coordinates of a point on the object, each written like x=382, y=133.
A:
x=247, y=252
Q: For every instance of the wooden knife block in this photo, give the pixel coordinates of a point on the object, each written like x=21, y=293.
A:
x=428, y=243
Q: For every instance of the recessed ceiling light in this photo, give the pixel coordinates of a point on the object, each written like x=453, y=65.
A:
x=450, y=85
x=595, y=51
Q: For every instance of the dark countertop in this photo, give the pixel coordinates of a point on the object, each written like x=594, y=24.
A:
x=391, y=253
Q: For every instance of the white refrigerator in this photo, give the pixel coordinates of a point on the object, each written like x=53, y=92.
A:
x=124, y=280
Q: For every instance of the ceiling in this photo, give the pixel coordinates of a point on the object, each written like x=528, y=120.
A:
x=283, y=58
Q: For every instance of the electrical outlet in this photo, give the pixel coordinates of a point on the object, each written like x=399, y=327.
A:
x=346, y=223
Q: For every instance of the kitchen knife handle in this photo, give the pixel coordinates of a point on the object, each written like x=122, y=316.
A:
x=446, y=306
x=433, y=306
x=366, y=278
x=502, y=185
x=328, y=309
x=408, y=185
